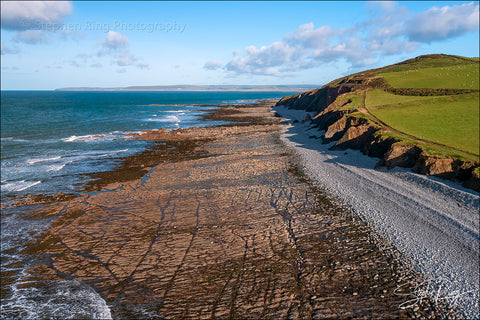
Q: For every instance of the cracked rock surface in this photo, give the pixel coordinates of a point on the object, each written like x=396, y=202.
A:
x=221, y=225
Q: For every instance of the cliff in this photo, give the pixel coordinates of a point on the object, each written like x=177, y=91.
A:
x=343, y=113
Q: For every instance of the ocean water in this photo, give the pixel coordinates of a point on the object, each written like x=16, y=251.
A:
x=50, y=141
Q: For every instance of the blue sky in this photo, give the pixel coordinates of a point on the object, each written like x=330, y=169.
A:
x=48, y=45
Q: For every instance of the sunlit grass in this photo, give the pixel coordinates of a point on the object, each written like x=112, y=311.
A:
x=465, y=76
x=452, y=121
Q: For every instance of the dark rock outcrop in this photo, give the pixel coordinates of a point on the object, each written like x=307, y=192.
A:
x=325, y=119
x=359, y=133
x=314, y=100
x=447, y=168
x=473, y=181
x=355, y=137
x=378, y=146
x=400, y=156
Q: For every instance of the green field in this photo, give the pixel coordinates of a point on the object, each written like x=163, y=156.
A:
x=464, y=76
x=378, y=97
x=356, y=101
x=428, y=61
x=452, y=121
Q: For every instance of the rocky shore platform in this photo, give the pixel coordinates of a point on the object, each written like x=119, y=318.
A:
x=220, y=223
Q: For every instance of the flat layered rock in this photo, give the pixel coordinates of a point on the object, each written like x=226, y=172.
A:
x=226, y=228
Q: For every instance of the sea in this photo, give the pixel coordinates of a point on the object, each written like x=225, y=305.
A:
x=50, y=142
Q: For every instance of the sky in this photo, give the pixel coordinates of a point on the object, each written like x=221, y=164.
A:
x=47, y=45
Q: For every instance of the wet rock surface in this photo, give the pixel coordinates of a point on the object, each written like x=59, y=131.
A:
x=224, y=225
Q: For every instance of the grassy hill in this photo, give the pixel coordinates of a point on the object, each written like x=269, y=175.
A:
x=446, y=122
x=431, y=102
x=450, y=121
x=454, y=77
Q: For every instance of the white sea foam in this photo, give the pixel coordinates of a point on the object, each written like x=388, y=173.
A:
x=90, y=137
x=166, y=119
x=137, y=132
x=56, y=167
x=4, y=139
x=112, y=153
x=68, y=299
x=77, y=138
x=18, y=185
x=43, y=160
x=29, y=185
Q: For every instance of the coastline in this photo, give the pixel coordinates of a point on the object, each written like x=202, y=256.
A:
x=219, y=222
x=433, y=222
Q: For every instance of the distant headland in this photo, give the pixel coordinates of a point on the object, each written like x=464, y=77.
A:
x=297, y=88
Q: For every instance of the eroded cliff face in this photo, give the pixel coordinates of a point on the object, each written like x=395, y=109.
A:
x=315, y=100
x=350, y=130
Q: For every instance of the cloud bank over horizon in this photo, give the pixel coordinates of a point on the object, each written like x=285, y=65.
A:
x=127, y=43
x=391, y=30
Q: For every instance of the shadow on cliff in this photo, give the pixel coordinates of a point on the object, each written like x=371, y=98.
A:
x=348, y=157
x=352, y=154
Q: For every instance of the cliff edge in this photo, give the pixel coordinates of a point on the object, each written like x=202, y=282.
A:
x=421, y=114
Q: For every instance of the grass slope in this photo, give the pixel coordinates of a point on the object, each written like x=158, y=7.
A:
x=379, y=97
x=463, y=76
x=452, y=121
x=427, y=61
x=444, y=125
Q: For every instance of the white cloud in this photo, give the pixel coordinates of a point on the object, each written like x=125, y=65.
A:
x=114, y=41
x=125, y=60
x=114, y=47
x=307, y=36
x=117, y=46
x=390, y=30
x=213, y=65
x=392, y=46
x=443, y=23
x=25, y=15
x=304, y=48
x=35, y=21
x=265, y=60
